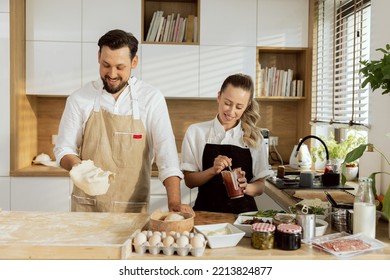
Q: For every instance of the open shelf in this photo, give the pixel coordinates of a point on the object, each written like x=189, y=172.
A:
x=281, y=60
x=184, y=8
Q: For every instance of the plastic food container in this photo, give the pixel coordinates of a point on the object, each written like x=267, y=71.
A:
x=288, y=236
x=263, y=236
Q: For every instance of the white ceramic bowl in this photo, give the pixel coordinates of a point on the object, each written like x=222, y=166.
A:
x=247, y=228
x=321, y=227
x=221, y=235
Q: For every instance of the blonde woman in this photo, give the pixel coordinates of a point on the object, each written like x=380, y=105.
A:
x=232, y=138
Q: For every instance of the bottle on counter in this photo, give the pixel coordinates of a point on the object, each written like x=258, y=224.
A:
x=364, y=210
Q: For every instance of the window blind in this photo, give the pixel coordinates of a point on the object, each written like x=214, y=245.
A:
x=341, y=40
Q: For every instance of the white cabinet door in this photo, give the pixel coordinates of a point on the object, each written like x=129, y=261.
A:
x=5, y=94
x=282, y=23
x=216, y=63
x=228, y=22
x=100, y=17
x=53, y=68
x=53, y=20
x=174, y=69
x=5, y=193
x=4, y=6
x=158, y=195
x=40, y=194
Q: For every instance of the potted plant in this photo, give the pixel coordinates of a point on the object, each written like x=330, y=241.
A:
x=354, y=156
x=377, y=72
x=338, y=151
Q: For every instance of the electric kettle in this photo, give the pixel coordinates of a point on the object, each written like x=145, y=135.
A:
x=302, y=160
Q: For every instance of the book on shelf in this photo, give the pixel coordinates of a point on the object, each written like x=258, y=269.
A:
x=176, y=29
x=167, y=27
x=190, y=29
x=151, y=26
x=299, y=88
x=171, y=28
x=195, y=40
x=275, y=82
x=156, y=25
x=182, y=30
x=160, y=27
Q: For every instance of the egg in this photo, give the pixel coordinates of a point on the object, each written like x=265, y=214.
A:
x=201, y=236
x=140, y=238
x=168, y=241
x=172, y=233
x=154, y=240
x=185, y=233
x=182, y=241
x=197, y=241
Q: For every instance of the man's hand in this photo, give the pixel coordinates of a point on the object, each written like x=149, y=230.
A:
x=91, y=179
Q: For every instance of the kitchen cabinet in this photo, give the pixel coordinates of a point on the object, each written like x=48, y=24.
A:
x=5, y=193
x=4, y=90
x=53, y=68
x=98, y=17
x=53, y=20
x=4, y=6
x=218, y=62
x=283, y=23
x=174, y=69
x=60, y=31
x=40, y=194
x=228, y=23
x=158, y=195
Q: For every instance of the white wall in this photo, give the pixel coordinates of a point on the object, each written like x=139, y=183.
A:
x=380, y=104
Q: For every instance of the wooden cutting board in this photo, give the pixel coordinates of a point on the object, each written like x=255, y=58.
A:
x=74, y=235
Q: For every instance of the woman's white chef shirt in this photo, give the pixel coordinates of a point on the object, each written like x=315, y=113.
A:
x=212, y=132
x=153, y=113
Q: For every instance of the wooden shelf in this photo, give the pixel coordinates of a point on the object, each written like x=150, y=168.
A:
x=182, y=7
x=283, y=59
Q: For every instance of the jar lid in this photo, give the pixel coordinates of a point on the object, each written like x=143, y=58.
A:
x=289, y=228
x=284, y=218
x=263, y=227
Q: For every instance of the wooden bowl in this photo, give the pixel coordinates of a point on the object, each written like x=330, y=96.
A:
x=157, y=223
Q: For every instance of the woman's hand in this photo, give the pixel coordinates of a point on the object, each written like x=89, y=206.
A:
x=255, y=188
x=220, y=163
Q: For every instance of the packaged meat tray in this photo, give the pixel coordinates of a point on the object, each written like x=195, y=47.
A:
x=347, y=245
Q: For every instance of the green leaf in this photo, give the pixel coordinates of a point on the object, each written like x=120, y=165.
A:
x=386, y=204
x=355, y=154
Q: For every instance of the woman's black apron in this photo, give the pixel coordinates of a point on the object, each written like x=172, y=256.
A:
x=213, y=196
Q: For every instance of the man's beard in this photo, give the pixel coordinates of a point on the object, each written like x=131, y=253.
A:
x=113, y=90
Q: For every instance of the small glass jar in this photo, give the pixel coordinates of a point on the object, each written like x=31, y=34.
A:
x=288, y=236
x=283, y=218
x=263, y=235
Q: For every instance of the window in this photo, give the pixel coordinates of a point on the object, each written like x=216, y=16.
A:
x=341, y=40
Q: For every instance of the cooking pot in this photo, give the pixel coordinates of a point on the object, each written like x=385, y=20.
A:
x=342, y=217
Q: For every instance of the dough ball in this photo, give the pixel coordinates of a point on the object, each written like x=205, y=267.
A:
x=174, y=217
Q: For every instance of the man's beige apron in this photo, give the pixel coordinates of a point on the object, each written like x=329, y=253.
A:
x=118, y=144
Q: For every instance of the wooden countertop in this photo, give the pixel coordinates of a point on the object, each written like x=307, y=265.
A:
x=244, y=250
x=42, y=235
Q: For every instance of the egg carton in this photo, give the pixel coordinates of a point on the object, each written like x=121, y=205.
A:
x=169, y=250
x=176, y=246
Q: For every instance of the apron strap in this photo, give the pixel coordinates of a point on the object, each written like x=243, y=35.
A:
x=96, y=104
x=134, y=98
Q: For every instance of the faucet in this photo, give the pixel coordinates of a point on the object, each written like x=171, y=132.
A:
x=319, y=139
